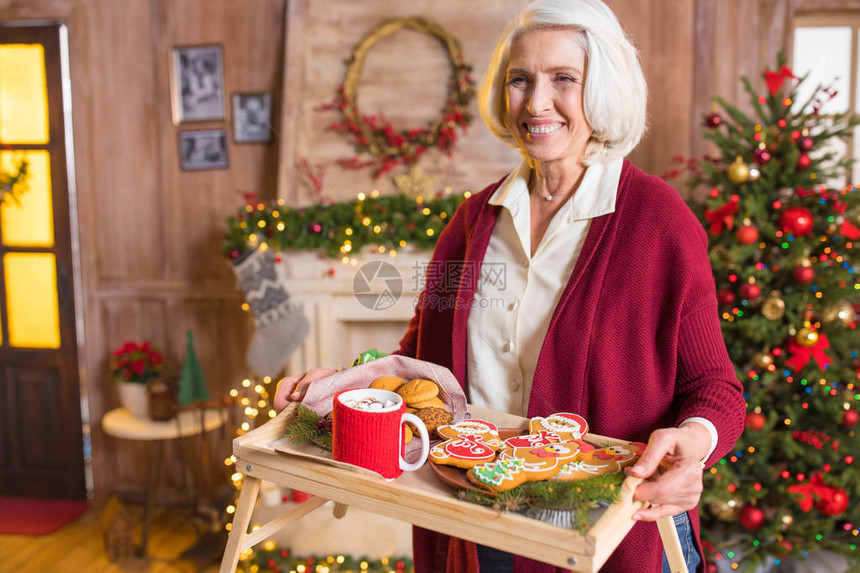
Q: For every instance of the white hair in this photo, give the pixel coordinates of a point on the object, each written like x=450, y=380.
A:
x=615, y=95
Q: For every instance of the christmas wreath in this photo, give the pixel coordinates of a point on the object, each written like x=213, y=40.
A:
x=373, y=134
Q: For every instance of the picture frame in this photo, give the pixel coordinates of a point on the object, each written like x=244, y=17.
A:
x=252, y=117
x=197, y=83
x=203, y=149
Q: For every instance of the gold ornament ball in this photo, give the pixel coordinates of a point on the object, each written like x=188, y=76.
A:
x=807, y=337
x=762, y=359
x=739, y=172
x=773, y=308
x=725, y=510
x=842, y=311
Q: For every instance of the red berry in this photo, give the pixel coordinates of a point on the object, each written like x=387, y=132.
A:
x=849, y=418
x=803, y=162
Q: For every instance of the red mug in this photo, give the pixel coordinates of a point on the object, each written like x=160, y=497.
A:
x=373, y=438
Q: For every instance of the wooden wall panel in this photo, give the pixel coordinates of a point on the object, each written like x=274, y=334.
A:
x=124, y=88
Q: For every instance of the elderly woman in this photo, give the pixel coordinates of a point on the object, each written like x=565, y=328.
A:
x=595, y=294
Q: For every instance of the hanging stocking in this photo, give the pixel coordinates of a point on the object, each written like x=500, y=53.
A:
x=281, y=326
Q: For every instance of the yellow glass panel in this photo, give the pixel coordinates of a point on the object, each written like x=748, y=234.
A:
x=23, y=94
x=30, y=223
x=31, y=297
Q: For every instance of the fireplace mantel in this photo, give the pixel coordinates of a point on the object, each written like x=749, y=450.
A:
x=348, y=305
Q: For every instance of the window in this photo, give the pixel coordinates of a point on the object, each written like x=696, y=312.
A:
x=826, y=48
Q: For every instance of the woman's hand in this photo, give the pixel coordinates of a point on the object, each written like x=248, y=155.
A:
x=679, y=487
x=293, y=388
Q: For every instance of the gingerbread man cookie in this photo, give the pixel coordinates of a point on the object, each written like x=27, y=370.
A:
x=517, y=465
x=468, y=443
x=567, y=426
x=601, y=462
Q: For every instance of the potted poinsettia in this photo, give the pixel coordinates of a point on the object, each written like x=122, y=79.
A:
x=134, y=367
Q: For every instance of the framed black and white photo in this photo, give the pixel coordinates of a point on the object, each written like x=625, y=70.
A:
x=252, y=117
x=203, y=149
x=197, y=83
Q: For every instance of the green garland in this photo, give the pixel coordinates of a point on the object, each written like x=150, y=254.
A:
x=280, y=560
x=579, y=497
x=388, y=222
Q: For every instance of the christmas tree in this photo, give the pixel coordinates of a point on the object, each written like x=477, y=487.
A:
x=784, y=242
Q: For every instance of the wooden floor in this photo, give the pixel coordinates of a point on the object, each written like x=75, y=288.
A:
x=79, y=547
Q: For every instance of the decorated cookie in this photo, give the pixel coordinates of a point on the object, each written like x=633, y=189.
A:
x=418, y=390
x=567, y=426
x=601, y=462
x=433, y=418
x=517, y=465
x=390, y=383
x=468, y=443
x=541, y=438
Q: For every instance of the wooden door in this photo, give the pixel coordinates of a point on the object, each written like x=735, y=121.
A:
x=41, y=439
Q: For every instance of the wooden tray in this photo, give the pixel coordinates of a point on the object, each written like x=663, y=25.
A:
x=419, y=498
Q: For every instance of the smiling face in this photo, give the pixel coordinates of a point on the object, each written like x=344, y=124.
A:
x=544, y=87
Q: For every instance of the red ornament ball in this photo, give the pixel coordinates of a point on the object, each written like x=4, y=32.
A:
x=746, y=234
x=849, y=418
x=755, y=421
x=803, y=162
x=285, y=553
x=833, y=504
x=751, y=518
x=805, y=143
x=804, y=275
x=713, y=120
x=725, y=297
x=796, y=220
x=761, y=156
x=749, y=291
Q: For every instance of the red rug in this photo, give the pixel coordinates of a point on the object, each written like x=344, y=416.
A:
x=20, y=516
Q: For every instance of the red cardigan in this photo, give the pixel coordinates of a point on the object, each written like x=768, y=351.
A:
x=634, y=343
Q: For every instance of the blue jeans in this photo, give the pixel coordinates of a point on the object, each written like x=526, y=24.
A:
x=495, y=561
x=685, y=533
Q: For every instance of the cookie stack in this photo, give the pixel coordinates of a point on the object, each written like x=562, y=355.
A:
x=421, y=397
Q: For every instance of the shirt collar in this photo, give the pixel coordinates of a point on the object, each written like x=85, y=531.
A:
x=594, y=198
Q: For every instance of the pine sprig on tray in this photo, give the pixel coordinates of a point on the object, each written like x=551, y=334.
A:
x=310, y=427
x=540, y=498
